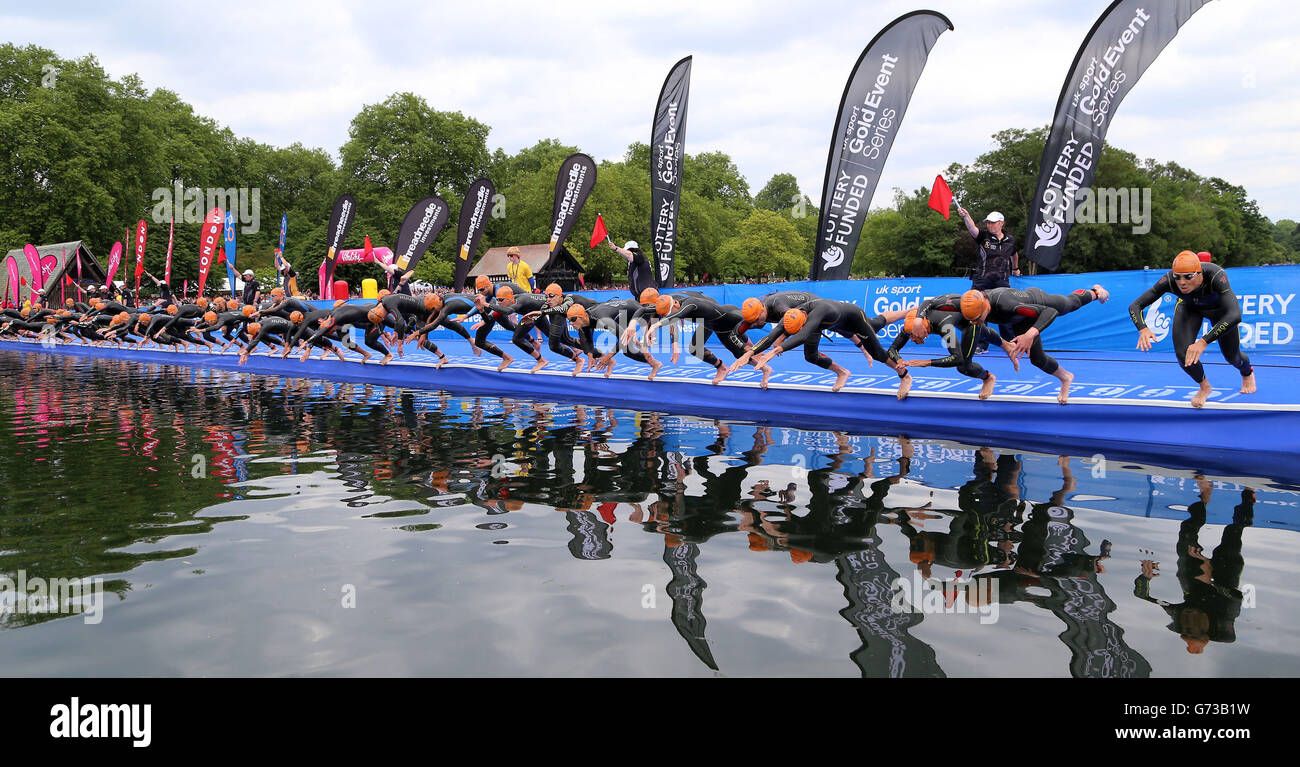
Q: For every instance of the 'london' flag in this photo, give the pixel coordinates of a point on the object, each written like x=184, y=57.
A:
x=875, y=100
x=209, y=239
x=667, y=142
x=1119, y=48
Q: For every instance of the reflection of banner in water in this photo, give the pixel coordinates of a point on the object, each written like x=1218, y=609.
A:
x=888, y=649
x=219, y=440
x=590, y=536
x=686, y=589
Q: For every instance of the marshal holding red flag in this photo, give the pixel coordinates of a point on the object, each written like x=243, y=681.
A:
x=874, y=102
x=209, y=241
x=1129, y=36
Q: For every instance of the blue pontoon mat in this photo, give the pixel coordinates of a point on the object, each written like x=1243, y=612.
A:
x=1124, y=406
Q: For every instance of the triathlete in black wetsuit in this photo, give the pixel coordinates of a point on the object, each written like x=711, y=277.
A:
x=805, y=326
x=614, y=315
x=268, y=329
x=1203, y=293
x=758, y=313
x=343, y=318
x=709, y=317
x=942, y=315
x=1027, y=313
x=551, y=319
x=457, y=303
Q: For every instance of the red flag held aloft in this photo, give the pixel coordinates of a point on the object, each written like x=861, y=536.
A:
x=941, y=197
x=599, y=232
x=369, y=249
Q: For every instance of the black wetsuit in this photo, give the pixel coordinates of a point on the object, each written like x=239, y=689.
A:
x=944, y=315
x=847, y=319
x=710, y=317
x=457, y=303
x=352, y=314
x=273, y=328
x=776, y=304
x=614, y=315
x=640, y=274
x=1213, y=300
x=1021, y=310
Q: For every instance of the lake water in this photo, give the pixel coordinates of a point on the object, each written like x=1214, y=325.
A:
x=252, y=525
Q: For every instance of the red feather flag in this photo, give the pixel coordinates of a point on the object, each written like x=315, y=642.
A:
x=599, y=232
x=941, y=197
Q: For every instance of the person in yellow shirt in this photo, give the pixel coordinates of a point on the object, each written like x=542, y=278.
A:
x=519, y=272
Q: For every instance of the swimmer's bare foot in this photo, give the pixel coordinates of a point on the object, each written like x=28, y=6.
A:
x=1066, y=379
x=541, y=363
x=506, y=359
x=986, y=390
x=1248, y=384
x=767, y=375
x=840, y=378
x=442, y=360
x=654, y=369
x=1202, y=394
x=579, y=362
x=721, y=374
x=386, y=359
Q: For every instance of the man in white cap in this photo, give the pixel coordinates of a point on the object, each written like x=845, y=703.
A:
x=999, y=257
x=252, y=291
x=640, y=275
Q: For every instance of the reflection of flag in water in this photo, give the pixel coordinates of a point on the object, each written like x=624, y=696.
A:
x=240, y=460
x=686, y=589
x=887, y=650
x=590, y=536
x=222, y=464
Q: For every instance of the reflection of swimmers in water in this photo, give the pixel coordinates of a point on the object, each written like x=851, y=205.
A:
x=1052, y=557
x=1211, y=587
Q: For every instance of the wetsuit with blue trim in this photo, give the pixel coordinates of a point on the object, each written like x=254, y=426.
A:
x=1213, y=301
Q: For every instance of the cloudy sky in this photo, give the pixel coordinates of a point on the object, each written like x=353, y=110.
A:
x=1223, y=99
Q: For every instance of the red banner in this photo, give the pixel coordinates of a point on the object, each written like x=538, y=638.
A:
x=141, y=233
x=209, y=240
x=114, y=261
x=171, y=237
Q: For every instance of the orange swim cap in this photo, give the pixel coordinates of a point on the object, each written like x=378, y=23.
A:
x=173, y=309
x=254, y=328
x=1186, y=263
x=51, y=319
x=649, y=296
x=68, y=302
x=277, y=292
x=385, y=293
x=482, y=282
x=799, y=556
x=432, y=302
x=295, y=317
x=753, y=310
x=377, y=314
x=793, y=321
x=973, y=303
x=248, y=310
x=909, y=323
x=554, y=290
x=577, y=311
x=210, y=317
x=505, y=292
x=340, y=302
x=664, y=306
x=201, y=302
x=121, y=318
